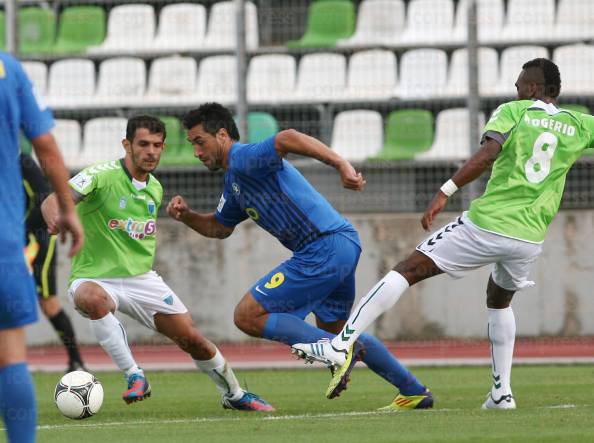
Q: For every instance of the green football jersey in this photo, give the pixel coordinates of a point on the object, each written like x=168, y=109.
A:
x=540, y=143
x=119, y=222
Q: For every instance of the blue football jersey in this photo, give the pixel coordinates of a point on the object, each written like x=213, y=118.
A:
x=20, y=109
x=259, y=184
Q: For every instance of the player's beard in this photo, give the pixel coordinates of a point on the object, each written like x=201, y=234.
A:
x=139, y=163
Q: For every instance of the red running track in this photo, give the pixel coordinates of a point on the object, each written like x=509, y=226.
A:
x=264, y=354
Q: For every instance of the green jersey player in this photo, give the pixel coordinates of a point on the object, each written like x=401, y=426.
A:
x=118, y=202
x=531, y=144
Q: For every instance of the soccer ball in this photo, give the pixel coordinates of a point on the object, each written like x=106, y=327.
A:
x=78, y=395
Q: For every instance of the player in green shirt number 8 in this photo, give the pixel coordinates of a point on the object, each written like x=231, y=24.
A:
x=117, y=202
x=530, y=144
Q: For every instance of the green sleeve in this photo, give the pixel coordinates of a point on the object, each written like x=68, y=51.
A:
x=503, y=119
x=84, y=182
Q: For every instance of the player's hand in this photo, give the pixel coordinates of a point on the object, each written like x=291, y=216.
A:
x=69, y=222
x=434, y=208
x=177, y=208
x=351, y=179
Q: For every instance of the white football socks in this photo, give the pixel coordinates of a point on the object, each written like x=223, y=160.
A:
x=112, y=337
x=377, y=301
x=502, y=334
x=222, y=375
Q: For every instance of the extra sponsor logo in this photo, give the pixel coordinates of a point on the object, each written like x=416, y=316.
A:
x=135, y=229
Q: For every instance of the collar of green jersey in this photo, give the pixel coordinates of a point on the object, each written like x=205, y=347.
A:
x=123, y=163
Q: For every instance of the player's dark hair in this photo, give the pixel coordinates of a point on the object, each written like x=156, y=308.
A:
x=153, y=124
x=212, y=117
x=550, y=71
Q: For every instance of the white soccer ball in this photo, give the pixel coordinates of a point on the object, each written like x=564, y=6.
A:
x=78, y=395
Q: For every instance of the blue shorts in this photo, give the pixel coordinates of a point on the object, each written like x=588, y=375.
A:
x=319, y=278
x=18, y=299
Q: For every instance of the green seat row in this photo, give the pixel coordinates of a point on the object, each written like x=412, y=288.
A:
x=80, y=27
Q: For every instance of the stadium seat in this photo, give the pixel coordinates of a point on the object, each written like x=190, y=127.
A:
x=428, y=22
x=528, y=21
x=451, y=136
x=261, y=125
x=173, y=141
x=220, y=34
x=2, y=31
x=37, y=73
x=69, y=139
x=217, y=79
x=130, y=28
x=121, y=81
x=327, y=22
x=80, y=27
x=490, y=17
x=357, y=135
x=575, y=20
x=371, y=75
x=71, y=83
x=458, y=73
x=423, y=74
x=510, y=65
x=172, y=80
x=37, y=30
x=103, y=140
x=271, y=78
x=409, y=132
x=321, y=77
x=379, y=22
x=576, y=63
x=182, y=27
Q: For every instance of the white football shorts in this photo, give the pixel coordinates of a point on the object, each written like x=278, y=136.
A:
x=140, y=297
x=460, y=247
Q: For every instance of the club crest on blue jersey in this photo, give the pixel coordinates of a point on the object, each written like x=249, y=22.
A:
x=235, y=188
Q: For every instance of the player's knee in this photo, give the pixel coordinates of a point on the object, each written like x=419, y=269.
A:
x=244, y=321
x=95, y=303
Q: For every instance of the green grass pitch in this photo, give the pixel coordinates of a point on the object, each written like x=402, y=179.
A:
x=555, y=404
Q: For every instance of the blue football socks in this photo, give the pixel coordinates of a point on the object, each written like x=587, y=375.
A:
x=17, y=403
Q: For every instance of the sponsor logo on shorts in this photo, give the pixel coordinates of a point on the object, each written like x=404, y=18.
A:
x=257, y=288
x=135, y=229
x=168, y=300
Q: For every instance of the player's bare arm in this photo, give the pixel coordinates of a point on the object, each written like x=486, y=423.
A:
x=204, y=224
x=472, y=169
x=50, y=209
x=295, y=142
x=65, y=217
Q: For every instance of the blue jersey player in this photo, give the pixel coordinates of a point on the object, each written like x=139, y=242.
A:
x=22, y=109
x=320, y=276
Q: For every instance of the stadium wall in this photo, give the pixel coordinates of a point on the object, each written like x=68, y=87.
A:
x=211, y=276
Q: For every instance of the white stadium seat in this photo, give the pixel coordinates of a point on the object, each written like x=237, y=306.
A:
x=575, y=20
x=379, y=22
x=529, y=21
x=217, y=79
x=576, y=63
x=423, y=73
x=130, y=28
x=221, y=31
x=69, y=138
x=122, y=81
x=271, y=78
x=458, y=72
x=71, y=83
x=172, y=80
x=371, y=75
x=429, y=22
x=182, y=27
x=451, y=136
x=357, y=135
x=510, y=65
x=321, y=77
x=490, y=17
x=37, y=73
x=103, y=140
